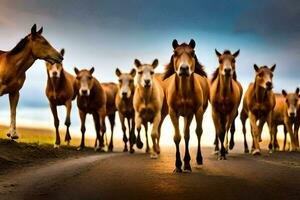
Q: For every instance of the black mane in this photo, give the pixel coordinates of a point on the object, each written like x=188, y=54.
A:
x=19, y=47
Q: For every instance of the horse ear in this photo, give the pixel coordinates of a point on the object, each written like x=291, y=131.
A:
x=273, y=68
x=33, y=29
x=155, y=63
x=236, y=53
x=218, y=53
x=137, y=63
x=297, y=90
x=92, y=70
x=284, y=93
x=40, y=31
x=76, y=70
x=174, y=44
x=133, y=72
x=118, y=72
x=192, y=43
x=256, y=67
x=62, y=52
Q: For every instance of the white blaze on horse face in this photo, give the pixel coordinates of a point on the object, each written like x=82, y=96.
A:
x=54, y=72
x=146, y=76
x=227, y=66
x=292, y=107
x=84, y=87
x=125, y=89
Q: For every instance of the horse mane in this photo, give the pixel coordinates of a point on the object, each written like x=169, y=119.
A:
x=216, y=73
x=19, y=47
x=170, y=70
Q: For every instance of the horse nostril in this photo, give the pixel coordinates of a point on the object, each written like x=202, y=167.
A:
x=147, y=81
x=84, y=92
x=54, y=74
x=292, y=114
x=184, y=69
x=269, y=84
x=124, y=94
x=227, y=71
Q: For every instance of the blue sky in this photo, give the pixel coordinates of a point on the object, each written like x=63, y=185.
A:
x=111, y=33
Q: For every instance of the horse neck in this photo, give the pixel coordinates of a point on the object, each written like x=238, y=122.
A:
x=56, y=84
x=184, y=84
x=225, y=84
x=145, y=93
x=23, y=60
x=260, y=93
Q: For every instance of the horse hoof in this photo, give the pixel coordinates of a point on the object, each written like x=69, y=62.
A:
x=256, y=152
x=246, y=151
x=270, y=151
x=226, y=151
x=131, y=150
x=14, y=137
x=110, y=148
x=153, y=156
x=231, y=145
x=56, y=146
x=198, y=166
x=215, y=152
x=222, y=158
x=139, y=144
x=177, y=170
x=125, y=150
x=79, y=148
x=147, y=150
x=8, y=135
x=100, y=149
x=187, y=169
x=68, y=142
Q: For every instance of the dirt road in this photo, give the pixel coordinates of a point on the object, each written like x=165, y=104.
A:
x=125, y=176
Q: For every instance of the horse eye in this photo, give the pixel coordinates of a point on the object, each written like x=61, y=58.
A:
x=120, y=81
x=130, y=81
x=90, y=78
x=152, y=72
x=261, y=75
x=220, y=61
x=192, y=53
x=140, y=72
x=271, y=75
x=233, y=61
x=175, y=53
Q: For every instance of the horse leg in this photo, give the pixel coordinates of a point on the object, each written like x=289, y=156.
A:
x=132, y=137
x=177, y=138
x=243, y=117
x=68, y=121
x=138, y=122
x=274, y=131
x=147, y=141
x=296, y=130
x=82, y=116
x=289, y=128
x=159, y=133
x=216, y=143
x=255, y=134
x=122, y=120
x=13, y=101
x=112, y=125
x=56, y=125
x=232, y=131
x=284, y=140
x=199, y=131
x=261, y=124
x=271, y=131
x=154, y=134
x=187, y=157
x=101, y=114
x=97, y=128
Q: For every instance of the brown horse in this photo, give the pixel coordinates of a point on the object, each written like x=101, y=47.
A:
x=187, y=95
x=297, y=123
x=110, y=90
x=225, y=97
x=285, y=113
x=124, y=104
x=15, y=63
x=60, y=91
x=148, y=101
x=258, y=104
x=91, y=99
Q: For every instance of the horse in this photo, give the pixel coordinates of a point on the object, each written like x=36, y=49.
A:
x=285, y=113
x=60, y=91
x=187, y=94
x=91, y=99
x=225, y=97
x=15, y=63
x=297, y=123
x=124, y=104
x=148, y=101
x=258, y=104
x=110, y=90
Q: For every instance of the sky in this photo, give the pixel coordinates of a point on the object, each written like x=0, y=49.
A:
x=111, y=33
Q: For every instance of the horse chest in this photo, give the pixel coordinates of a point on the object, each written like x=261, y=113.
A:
x=12, y=84
x=260, y=109
x=184, y=106
x=147, y=113
x=224, y=105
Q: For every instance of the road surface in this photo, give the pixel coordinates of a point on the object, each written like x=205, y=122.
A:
x=126, y=176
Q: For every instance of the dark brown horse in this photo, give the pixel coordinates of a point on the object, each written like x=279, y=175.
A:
x=187, y=95
x=15, y=63
x=258, y=104
x=225, y=97
x=60, y=91
x=91, y=99
x=124, y=104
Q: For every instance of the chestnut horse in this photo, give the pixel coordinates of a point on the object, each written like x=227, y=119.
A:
x=124, y=104
x=15, y=63
x=187, y=95
x=285, y=113
x=225, y=97
x=258, y=104
x=91, y=99
x=60, y=91
x=110, y=90
x=148, y=101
